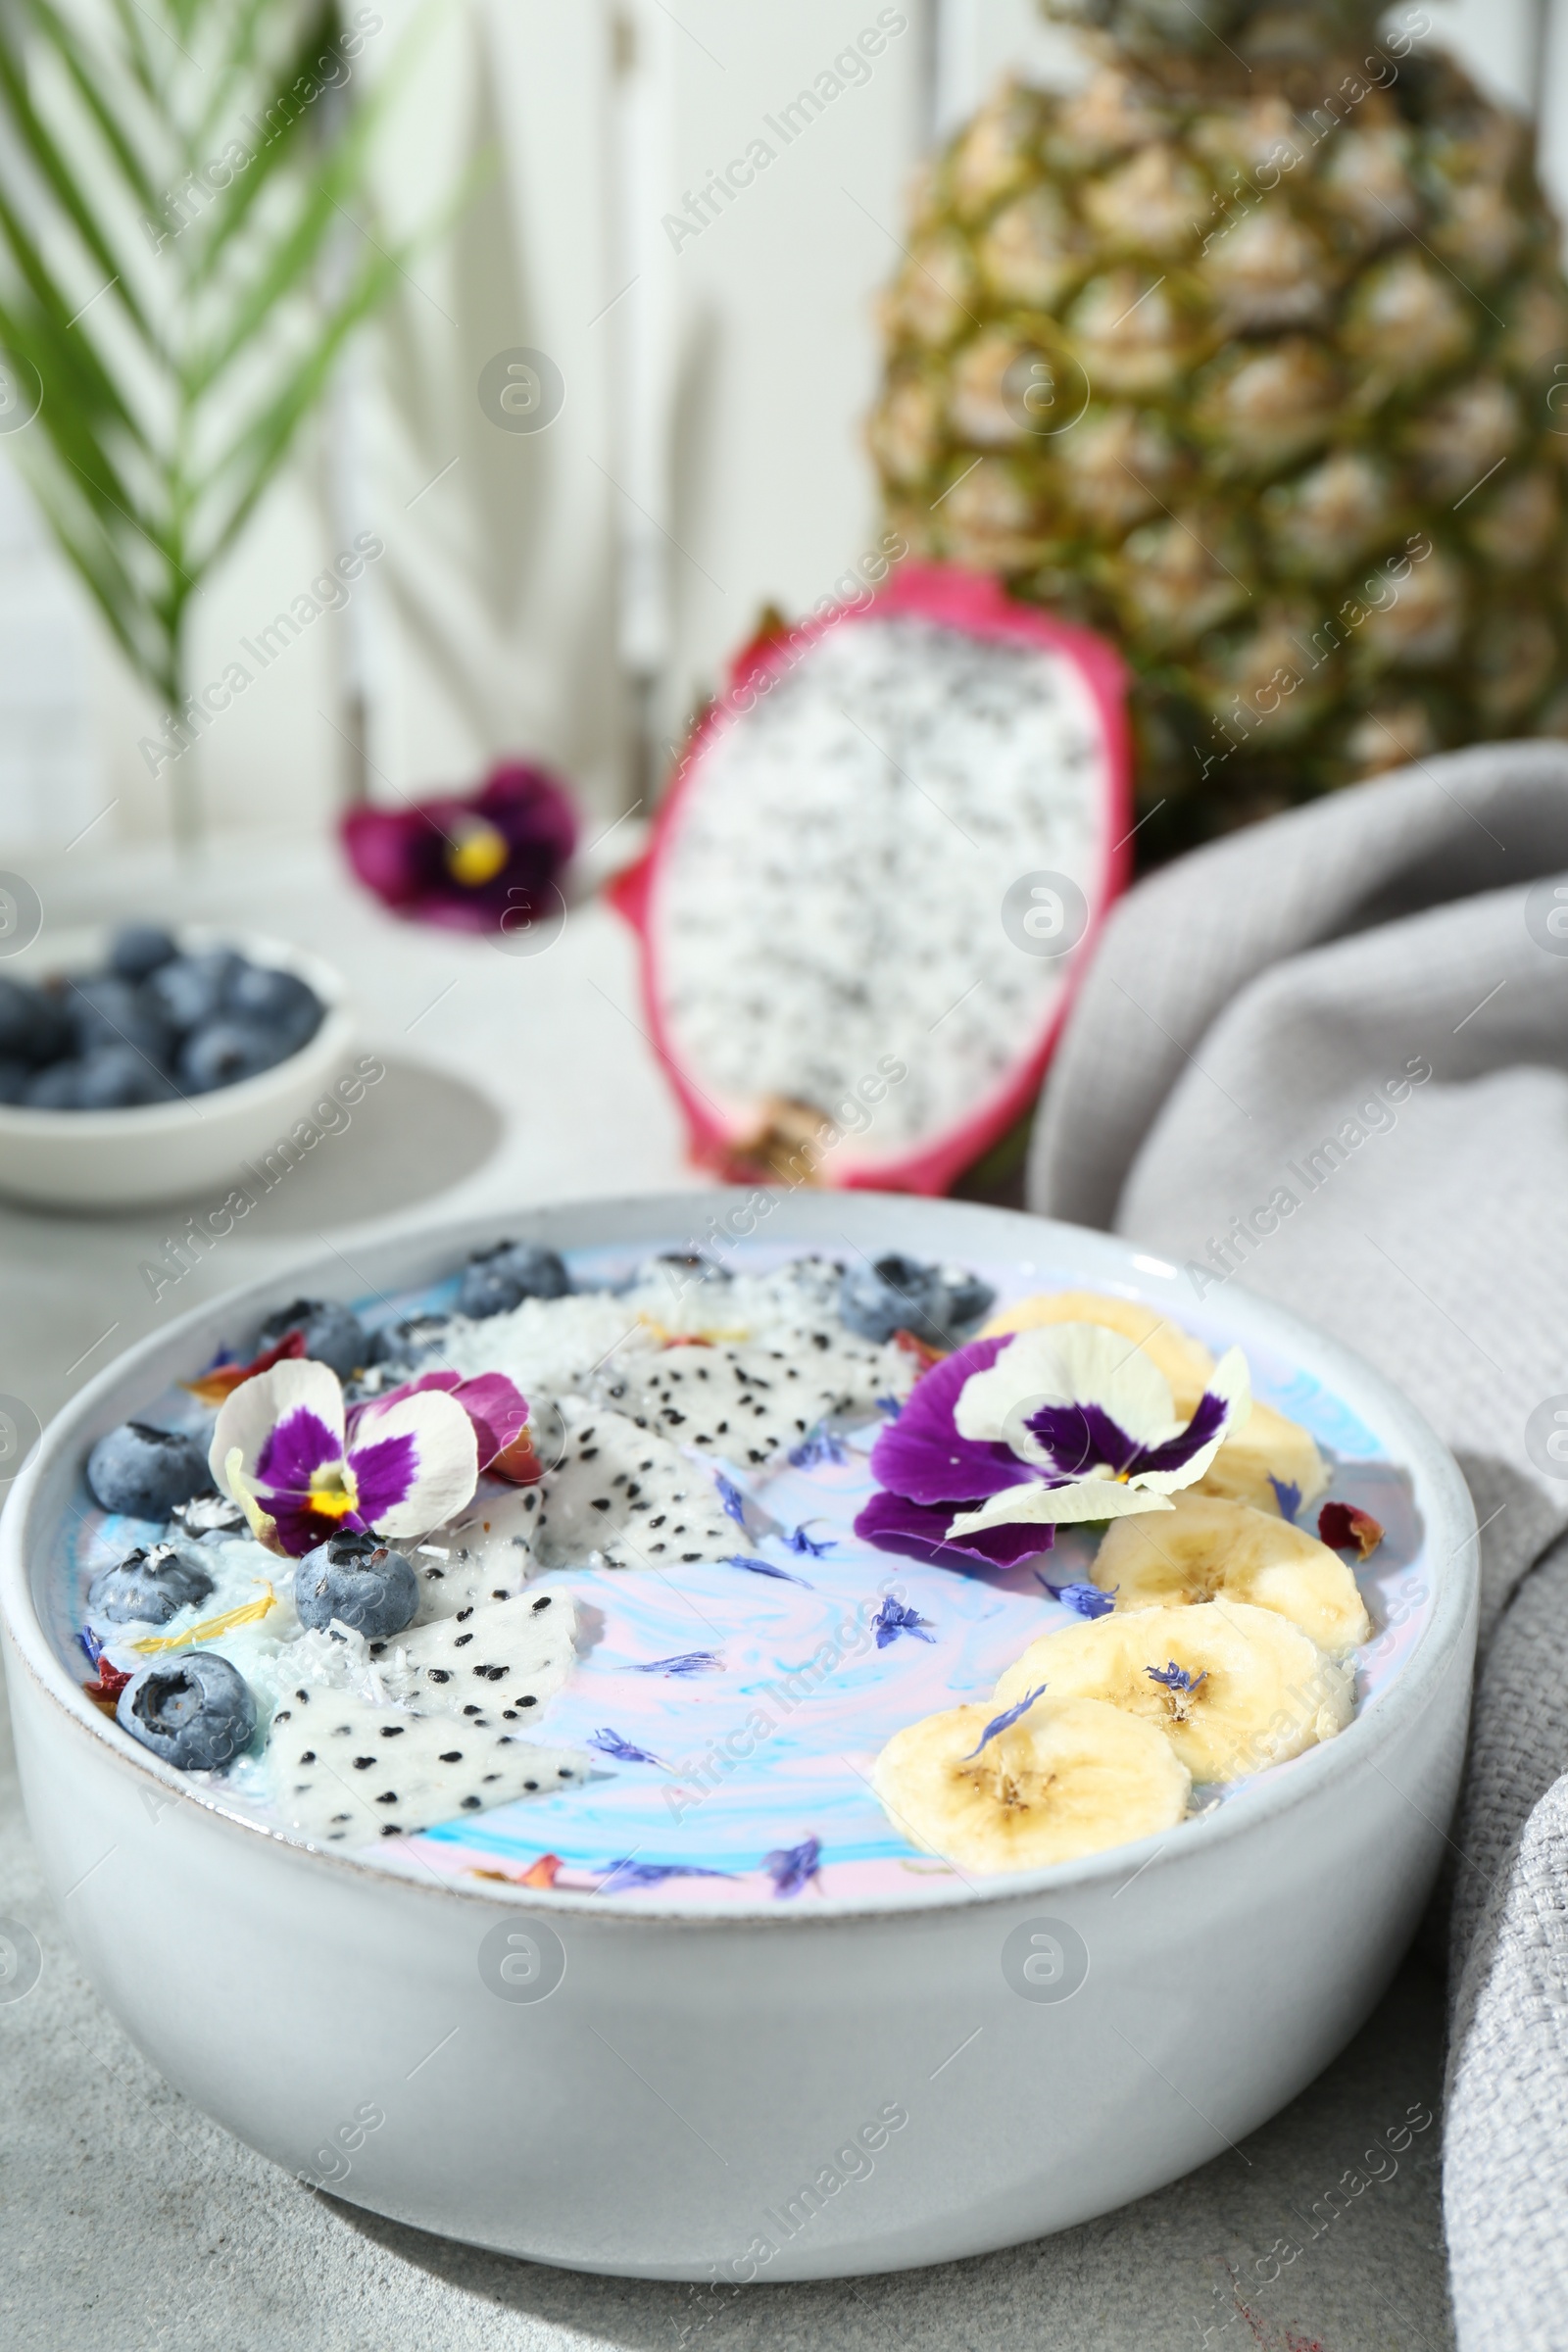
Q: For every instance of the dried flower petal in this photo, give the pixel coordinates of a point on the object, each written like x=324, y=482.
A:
x=611, y=1743
x=691, y=1661
x=1085, y=1601
x=733, y=1500
x=1003, y=1722
x=801, y=1541
x=654, y=1873
x=820, y=1445
x=1344, y=1527
x=1288, y=1495
x=792, y=1866
x=896, y=1617
x=754, y=1567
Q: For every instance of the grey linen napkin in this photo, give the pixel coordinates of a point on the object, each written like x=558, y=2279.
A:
x=1222, y=1094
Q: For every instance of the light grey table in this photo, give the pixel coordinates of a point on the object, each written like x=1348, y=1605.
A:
x=130, y=2222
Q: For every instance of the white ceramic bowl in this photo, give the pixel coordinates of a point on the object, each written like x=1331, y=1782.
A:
x=679, y=2104
x=167, y=1151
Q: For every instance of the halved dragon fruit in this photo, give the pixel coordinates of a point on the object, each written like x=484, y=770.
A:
x=884, y=855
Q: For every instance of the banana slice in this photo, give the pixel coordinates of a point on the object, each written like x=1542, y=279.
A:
x=1184, y=1360
x=1234, y=1688
x=1266, y=1446
x=1207, y=1548
x=1069, y=1776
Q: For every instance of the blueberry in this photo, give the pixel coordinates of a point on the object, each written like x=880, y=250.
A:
x=411, y=1340
x=224, y=1052
x=145, y=1471
x=106, y=1011
x=360, y=1581
x=274, y=999
x=33, y=1026
x=196, y=1715
x=58, y=1087
x=500, y=1278
x=138, y=949
x=15, y=1077
x=962, y=1297
x=333, y=1332
x=147, y=1588
x=900, y=1294
x=189, y=990
x=118, y=1078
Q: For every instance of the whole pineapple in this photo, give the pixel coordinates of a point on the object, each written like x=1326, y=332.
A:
x=1254, y=352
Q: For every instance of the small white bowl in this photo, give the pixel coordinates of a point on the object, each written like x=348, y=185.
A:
x=696, y=2095
x=166, y=1150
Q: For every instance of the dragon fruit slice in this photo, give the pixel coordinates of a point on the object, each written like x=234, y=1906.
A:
x=507, y=1653
x=626, y=1494
x=835, y=977
x=345, y=1771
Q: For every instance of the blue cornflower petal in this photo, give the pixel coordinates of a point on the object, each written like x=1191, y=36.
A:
x=1176, y=1678
x=1286, y=1493
x=1001, y=1723
x=611, y=1743
x=792, y=1866
x=896, y=1617
x=654, y=1873
x=690, y=1661
x=736, y=1559
x=1085, y=1601
x=92, y=1644
x=889, y=1405
x=801, y=1542
x=820, y=1445
x=730, y=1496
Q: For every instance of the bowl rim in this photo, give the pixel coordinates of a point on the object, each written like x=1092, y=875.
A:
x=652, y=1218
x=338, y=1031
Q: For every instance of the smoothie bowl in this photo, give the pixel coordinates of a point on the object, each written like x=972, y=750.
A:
x=752, y=1736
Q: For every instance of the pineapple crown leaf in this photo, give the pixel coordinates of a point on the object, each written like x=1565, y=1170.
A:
x=1264, y=29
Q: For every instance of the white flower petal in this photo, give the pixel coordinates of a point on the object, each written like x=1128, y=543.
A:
x=1059, y=1506
x=1077, y=1363
x=250, y=1415
x=446, y=1458
x=1230, y=1381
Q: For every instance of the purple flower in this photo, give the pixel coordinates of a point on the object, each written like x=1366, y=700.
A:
x=733, y=1500
x=487, y=862
x=1014, y=1435
x=1003, y=1722
x=303, y=1468
x=611, y=1743
x=1286, y=1493
x=691, y=1661
x=753, y=1567
x=792, y=1866
x=801, y=1541
x=654, y=1873
x=896, y=1617
x=820, y=1445
x=918, y=1530
x=1085, y=1601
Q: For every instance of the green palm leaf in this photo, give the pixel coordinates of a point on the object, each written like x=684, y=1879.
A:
x=175, y=177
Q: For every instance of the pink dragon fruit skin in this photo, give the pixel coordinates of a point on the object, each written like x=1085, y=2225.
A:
x=726, y=1132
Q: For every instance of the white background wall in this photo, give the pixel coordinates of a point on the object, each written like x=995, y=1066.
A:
x=708, y=457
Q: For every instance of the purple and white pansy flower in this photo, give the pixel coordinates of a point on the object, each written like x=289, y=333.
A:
x=1009, y=1438
x=303, y=1467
